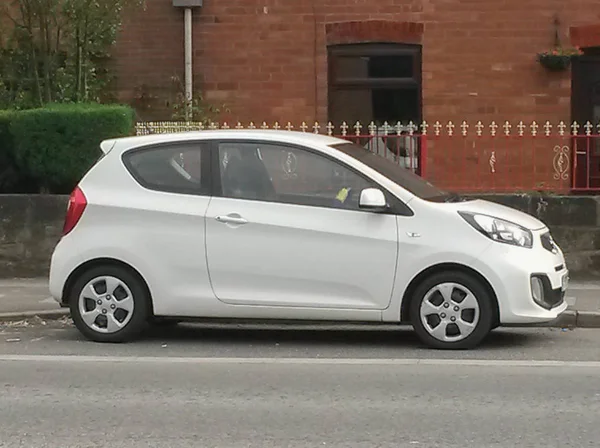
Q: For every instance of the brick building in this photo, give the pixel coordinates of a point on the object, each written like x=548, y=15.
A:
x=388, y=60
x=294, y=60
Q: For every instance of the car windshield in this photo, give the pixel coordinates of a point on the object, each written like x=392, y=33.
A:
x=396, y=173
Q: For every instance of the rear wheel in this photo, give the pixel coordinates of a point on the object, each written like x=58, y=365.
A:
x=109, y=304
x=452, y=310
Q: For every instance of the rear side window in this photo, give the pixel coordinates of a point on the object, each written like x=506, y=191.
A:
x=173, y=168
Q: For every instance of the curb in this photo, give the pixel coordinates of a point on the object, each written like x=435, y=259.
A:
x=22, y=315
x=575, y=319
x=588, y=319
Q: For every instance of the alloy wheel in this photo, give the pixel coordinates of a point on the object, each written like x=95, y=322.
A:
x=449, y=312
x=106, y=304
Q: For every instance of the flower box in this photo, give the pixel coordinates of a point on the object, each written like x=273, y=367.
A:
x=558, y=59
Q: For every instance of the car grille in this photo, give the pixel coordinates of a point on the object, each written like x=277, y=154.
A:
x=548, y=243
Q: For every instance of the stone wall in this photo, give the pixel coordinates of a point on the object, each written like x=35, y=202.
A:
x=30, y=226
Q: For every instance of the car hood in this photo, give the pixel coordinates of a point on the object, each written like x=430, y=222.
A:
x=501, y=212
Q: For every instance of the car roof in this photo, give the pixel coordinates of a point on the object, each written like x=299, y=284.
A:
x=292, y=137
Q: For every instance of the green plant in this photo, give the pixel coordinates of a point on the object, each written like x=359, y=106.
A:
x=558, y=59
x=562, y=52
x=56, y=145
x=8, y=175
x=197, y=110
x=57, y=50
x=12, y=179
x=92, y=27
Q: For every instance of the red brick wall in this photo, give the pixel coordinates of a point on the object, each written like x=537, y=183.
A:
x=267, y=59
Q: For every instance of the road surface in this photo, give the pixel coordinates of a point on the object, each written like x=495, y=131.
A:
x=263, y=386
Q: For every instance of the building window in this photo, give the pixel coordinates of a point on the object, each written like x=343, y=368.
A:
x=375, y=82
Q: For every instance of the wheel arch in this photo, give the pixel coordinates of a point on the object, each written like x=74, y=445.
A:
x=419, y=278
x=90, y=264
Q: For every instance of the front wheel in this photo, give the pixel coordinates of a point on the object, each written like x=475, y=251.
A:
x=109, y=304
x=452, y=310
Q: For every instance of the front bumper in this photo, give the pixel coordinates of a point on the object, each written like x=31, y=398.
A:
x=510, y=271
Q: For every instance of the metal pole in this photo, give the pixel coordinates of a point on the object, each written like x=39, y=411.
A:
x=188, y=62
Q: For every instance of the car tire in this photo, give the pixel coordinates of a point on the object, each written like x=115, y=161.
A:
x=124, y=303
x=461, y=302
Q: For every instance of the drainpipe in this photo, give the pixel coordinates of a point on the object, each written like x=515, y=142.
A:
x=188, y=61
x=188, y=5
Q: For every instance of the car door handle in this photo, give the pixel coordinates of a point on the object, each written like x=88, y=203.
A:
x=232, y=219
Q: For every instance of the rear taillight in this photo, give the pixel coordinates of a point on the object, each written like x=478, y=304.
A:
x=77, y=204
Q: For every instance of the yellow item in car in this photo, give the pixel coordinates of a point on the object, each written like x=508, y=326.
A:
x=342, y=194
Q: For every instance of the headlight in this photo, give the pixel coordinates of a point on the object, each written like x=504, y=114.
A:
x=500, y=230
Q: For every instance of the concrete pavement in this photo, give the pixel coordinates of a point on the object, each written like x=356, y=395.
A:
x=27, y=297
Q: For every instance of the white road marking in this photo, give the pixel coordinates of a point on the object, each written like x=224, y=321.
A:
x=296, y=361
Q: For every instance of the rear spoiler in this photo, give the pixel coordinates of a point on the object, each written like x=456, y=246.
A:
x=107, y=145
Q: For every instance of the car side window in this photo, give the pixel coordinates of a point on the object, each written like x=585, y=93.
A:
x=172, y=168
x=279, y=173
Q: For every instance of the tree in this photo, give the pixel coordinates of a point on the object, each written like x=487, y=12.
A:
x=93, y=27
x=56, y=47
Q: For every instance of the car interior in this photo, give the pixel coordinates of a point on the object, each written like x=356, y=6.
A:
x=246, y=176
x=177, y=169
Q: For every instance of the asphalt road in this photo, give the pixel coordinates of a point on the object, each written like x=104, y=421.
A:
x=36, y=337
x=130, y=403
x=255, y=386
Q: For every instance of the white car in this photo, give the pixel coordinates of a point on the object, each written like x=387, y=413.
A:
x=296, y=226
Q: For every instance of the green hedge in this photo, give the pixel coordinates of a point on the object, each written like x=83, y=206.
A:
x=8, y=170
x=56, y=145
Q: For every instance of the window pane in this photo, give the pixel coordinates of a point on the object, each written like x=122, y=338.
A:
x=276, y=173
x=393, y=105
x=172, y=168
x=379, y=105
x=392, y=170
x=391, y=67
x=396, y=66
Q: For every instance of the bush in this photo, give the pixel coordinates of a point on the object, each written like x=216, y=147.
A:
x=8, y=171
x=56, y=145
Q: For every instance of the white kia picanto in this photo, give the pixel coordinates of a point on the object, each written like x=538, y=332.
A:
x=297, y=226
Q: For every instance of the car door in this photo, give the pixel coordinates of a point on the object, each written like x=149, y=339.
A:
x=166, y=219
x=284, y=229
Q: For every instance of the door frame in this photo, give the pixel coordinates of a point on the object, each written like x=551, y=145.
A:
x=582, y=104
